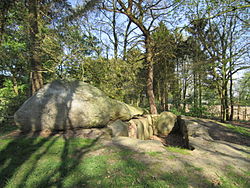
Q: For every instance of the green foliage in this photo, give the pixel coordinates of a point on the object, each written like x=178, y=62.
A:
x=244, y=89
x=176, y=111
x=117, y=78
x=198, y=112
x=9, y=100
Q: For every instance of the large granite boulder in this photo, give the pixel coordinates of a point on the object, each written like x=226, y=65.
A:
x=147, y=126
x=165, y=122
x=191, y=128
x=118, y=128
x=62, y=105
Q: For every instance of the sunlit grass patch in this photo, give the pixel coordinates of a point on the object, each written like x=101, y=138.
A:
x=171, y=157
x=154, y=153
x=28, y=162
x=177, y=150
x=238, y=129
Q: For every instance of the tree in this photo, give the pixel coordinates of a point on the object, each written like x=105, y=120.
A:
x=144, y=15
x=36, y=68
x=225, y=61
x=244, y=89
x=164, y=63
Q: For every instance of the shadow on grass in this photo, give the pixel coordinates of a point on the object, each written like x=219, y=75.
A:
x=73, y=162
x=43, y=162
x=15, y=154
x=137, y=172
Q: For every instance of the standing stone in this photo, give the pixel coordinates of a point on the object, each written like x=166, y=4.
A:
x=132, y=129
x=165, y=123
x=119, y=128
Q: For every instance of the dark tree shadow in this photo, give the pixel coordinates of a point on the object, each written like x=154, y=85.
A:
x=20, y=149
x=16, y=153
x=221, y=133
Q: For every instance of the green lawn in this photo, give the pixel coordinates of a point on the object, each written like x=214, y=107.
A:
x=76, y=162
x=58, y=162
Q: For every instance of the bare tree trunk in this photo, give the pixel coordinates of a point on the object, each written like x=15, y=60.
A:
x=195, y=91
x=238, y=112
x=163, y=100
x=245, y=114
x=15, y=85
x=200, y=95
x=166, y=100
x=231, y=99
x=126, y=40
x=150, y=89
x=223, y=106
x=184, y=94
x=226, y=104
x=114, y=31
x=159, y=92
x=36, y=77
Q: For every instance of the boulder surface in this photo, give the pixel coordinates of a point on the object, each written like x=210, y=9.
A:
x=62, y=105
x=165, y=123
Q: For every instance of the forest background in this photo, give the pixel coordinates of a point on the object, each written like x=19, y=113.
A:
x=185, y=56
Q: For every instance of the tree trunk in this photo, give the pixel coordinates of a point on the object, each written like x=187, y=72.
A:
x=223, y=105
x=15, y=85
x=226, y=104
x=223, y=111
x=166, y=99
x=149, y=61
x=163, y=100
x=238, y=112
x=36, y=77
x=231, y=96
x=200, y=95
x=126, y=41
x=159, y=92
x=195, y=91
x=114, y=31
x=184, y=94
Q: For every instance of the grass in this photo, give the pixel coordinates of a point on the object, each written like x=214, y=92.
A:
x=234, y=179
x=77, y=162
x=171, y=157
x=154, y=153
x=58, y=162
x=177, y=150
x=238, y=129
x=192, y=168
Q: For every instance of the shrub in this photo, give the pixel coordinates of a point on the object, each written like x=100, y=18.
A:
x=9, y=100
